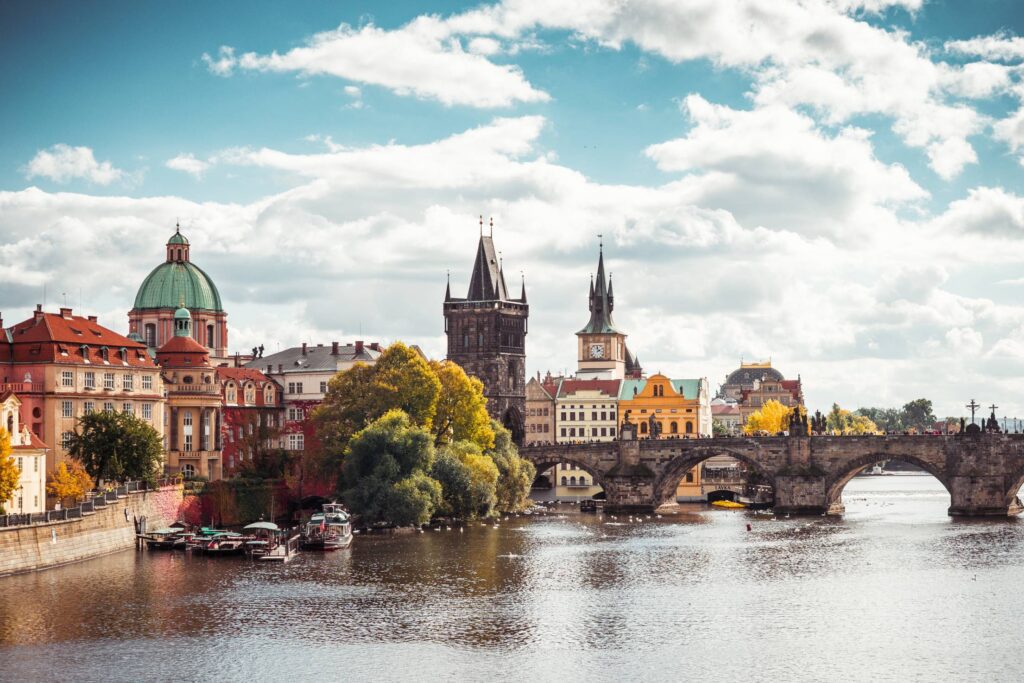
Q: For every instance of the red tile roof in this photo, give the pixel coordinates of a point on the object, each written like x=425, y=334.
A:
x=241, y=374
x=61, y=337
x=608, y=387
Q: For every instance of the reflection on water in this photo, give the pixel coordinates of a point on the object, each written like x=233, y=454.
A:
x=893, y=590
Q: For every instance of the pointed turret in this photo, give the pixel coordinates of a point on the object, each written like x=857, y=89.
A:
x=601, y=303
x=522, y=297
x=487, y=283
x=448, y=289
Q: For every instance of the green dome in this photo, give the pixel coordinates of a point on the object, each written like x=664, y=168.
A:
x=182, y=314
x=177, y=238
x=171, y=284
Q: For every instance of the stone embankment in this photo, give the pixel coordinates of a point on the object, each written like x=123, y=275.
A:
x=42, y=546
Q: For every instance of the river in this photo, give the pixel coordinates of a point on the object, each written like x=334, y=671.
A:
x=894, y=590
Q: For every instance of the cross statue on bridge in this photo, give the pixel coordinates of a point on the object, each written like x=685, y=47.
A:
x=973, y=405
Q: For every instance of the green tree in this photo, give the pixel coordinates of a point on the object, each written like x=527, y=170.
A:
x=718, y=428
x=461, y=413
x=348, y=406
x=515, y=475
x=887, y=419
x=10, y=475
x=403, y=380
x=844, y=422
x=384, y=474
x=116, y=447
x=917, y=414
x=456, y=482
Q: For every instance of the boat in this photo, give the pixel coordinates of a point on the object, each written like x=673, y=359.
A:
x=729, y=504
x=264, y=538
x=170, y=538
x=223, y=543
x=588, y=505
x=283, y=551
x=329, y=529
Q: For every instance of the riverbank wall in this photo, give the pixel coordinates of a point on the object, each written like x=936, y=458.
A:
x=43, y=546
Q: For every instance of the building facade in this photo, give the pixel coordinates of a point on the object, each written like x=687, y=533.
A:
x=63, y=366
x=302, y=373
x=540, y=410
x=194, y=409
x=601, y=347
x=174, y=283
x=587, y=410
x=486, y=333
x=788, y=392
x=253, y=415
x=29, y=454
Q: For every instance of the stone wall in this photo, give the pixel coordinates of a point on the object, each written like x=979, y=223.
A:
x=42, y=546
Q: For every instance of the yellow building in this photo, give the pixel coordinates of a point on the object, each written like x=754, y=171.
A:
x=666, y=408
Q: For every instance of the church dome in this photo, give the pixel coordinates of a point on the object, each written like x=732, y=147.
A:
x=746, y=374
x=177, y=281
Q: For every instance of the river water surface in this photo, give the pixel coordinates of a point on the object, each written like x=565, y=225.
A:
x=895, y=590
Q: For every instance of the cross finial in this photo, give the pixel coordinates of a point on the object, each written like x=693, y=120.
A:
x=600, y=241
x=492, y=226
x=973, y=406
x=481, y=225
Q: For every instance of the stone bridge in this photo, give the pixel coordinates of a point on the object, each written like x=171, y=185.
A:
x=982, y=472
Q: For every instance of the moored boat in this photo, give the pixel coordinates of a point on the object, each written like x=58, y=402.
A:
x=329, y=529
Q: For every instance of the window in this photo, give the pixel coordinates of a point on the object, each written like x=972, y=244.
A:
x=128, y=382
x=65, y=440
x=689, y=477
x=296, y=442
x=90, y=380
x=604, y=431
x=268, y=395
x=88, y=407
x=188, y=442
x=563, y=417
x=67, y=378
x=593, y=431
x=67, y=409
x=127, y=409
x=188, y=469
x=689, y=428
x=563, y=431
x=147, y=381
x=108, y=380
x=147, y=411
x=546, y=430
x=565, y=481
x=643, y=427
x=673, y=427
x=572, y=481
x=250, y=394
x=230, y=393
x=150, y=335
x=295, y=413
x=323, y=387
x=593, y=416
x=108, y=407
x=209, y=336
x=186, y=418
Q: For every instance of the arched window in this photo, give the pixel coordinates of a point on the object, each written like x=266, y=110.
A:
x=151, y=335
x=189, y=470
x=583, y=481
x=209, y=336
x=230, y=394
x=268, y=395
x=565, y=482
x=689, y=428
x=250, y=394
x=643, y=427
x=673, y=427
x=572, y=481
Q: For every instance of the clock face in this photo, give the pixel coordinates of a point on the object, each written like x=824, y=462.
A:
x=597, y=350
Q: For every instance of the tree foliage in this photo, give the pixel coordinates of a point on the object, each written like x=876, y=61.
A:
x=718, y=428
x=116, y=447
x=384, y=475
x=515, y=475
x=772, y=417
x=917, y=415
x=844, y=422
x=10, y=475
x=461, y=413
x=69, y=482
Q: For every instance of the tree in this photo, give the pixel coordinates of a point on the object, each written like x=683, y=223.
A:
x=403, y=380
x=515, y=475
x=887, y=419
x=461, y=413
x=718, y=428
x=347, y=407
x=844, y=422
x=69, y=482
x=773, y=417
x=456, y=481
x=10, y=475
x=917, y=414
x=116, y=447
x=384, y=474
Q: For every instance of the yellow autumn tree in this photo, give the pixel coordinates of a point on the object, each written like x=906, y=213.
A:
x=773, y=417
x=9, y=472
x=461, y=413
x=69, y=482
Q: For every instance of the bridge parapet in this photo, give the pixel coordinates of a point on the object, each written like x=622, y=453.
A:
x=982, y=472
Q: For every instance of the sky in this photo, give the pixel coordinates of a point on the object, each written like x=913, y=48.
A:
x=831, y=184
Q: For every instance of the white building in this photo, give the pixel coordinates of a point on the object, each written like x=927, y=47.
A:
x=29, y=452
x=586, y=410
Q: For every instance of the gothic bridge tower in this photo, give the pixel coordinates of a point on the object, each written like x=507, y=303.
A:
x=487, y=336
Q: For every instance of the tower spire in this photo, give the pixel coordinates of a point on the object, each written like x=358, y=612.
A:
x=492, y=226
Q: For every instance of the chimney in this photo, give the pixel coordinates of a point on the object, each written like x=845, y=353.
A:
x=65, y=313
x=359, y=347
x=375, y=346
x=1, y=321
x=270, y=369
x=303, y=348
x=334, y=348
x=280, y=368
x=38, y=313
x=92, y=318
x=238, y=359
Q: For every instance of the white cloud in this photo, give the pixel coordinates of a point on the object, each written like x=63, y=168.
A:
x=755, y=162
x=999, y=46
x=985, y=210
x=422, y=59
x=187, y=163
x=62, y=163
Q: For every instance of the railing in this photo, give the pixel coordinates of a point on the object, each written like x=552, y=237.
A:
x=194, y=389
x=22, y=387
x=94, y=500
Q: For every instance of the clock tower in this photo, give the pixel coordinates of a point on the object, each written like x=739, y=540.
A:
x=602, y=347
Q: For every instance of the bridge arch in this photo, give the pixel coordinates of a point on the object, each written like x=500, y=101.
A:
x=668, y=481
x=837, y=480
x=545, y=463
x=1016, y=480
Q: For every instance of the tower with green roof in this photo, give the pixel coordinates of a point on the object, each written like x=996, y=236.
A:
x=179, y=282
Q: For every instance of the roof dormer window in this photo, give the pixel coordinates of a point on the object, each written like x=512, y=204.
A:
x=84, y=348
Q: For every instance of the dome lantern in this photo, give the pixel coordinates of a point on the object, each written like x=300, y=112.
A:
x=182, y=321
x=177, y=247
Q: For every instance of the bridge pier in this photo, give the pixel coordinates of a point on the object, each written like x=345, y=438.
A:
x=981, y=496
x=804, y=495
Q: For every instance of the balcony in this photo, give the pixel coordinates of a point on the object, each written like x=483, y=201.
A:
x=200, y=389
x=22, y=387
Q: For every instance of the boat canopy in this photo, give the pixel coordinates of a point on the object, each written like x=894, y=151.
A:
x=269, y=526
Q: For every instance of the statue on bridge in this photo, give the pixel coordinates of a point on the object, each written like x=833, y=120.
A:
x=799, y=425
x=627, y=430
x=819, y=425
x=654, y=427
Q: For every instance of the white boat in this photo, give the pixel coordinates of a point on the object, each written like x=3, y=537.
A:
x=329, y=529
